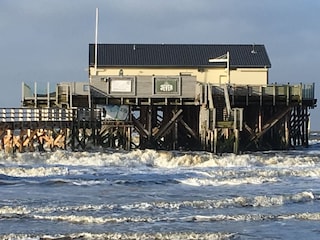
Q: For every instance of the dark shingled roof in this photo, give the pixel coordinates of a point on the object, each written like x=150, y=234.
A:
x=178, y=55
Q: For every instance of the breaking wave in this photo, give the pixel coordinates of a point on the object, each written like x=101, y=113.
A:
x=62, y=213
x=152, y=158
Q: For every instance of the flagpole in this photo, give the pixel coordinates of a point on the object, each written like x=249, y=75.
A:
x=96, y=42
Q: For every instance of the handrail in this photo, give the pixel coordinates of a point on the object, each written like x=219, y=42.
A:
x=308, y=91
x=35, y=114
x=304, y=91
x=8, y=115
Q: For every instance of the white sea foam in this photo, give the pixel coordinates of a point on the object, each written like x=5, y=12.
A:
x=18, y=171
x=163, y=159
x=86, y=219
x=62, y=213
x=240, y=176
x=6, y=211
x=228, y=169
x=125, y=236
x=93, y=220
x=253, y=217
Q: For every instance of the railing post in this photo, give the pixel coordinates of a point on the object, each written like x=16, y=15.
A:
x=288, y=93
x=20, y=115
x=274, y=94
x=301, y=92
x=4, y=115
x=12, y=113
x=28, y=114
x=313, y=88
x=36, y=114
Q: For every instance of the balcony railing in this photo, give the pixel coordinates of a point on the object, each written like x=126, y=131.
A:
x=9, y=115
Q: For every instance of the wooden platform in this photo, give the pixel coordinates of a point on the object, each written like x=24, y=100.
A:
x=226, y=118
x=29, y=129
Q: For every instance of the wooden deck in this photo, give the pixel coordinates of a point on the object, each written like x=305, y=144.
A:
x=24, y=129
x=215, y=118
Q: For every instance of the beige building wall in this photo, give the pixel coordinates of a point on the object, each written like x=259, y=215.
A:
x=240, y=76
x=250, y=76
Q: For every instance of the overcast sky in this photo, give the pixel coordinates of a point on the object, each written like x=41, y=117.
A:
x=47, y=40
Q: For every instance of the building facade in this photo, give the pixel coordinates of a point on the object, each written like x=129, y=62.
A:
x=216, y=64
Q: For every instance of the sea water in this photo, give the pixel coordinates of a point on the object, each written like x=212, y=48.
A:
x=147, y=194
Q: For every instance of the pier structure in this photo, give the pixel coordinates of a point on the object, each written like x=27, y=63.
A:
x=47, y=129
x=253, y=118
x=216, y=119
x=214, y=98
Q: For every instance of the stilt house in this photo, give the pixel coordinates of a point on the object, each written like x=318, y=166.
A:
x=212, y=97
